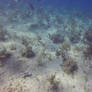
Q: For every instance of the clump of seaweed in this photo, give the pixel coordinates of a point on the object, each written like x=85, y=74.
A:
x=50, y=58
x=63, y=48
x=12, y=47
x=54, y=83
x=58, y=52
x=88, y=35
x=57, y=38
x=25, y=41
x=64, y=55
x=88, y=52
x=70, y=66
x=28, y=52
x=40, y=57
x=40, y=40
x=4, y=53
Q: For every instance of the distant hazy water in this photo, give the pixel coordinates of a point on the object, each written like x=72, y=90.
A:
x=85, y=5
x=82, y=5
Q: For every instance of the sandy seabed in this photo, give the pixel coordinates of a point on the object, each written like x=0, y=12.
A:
x=42, y=51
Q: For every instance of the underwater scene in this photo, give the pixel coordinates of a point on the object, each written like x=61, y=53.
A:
x=45, y=45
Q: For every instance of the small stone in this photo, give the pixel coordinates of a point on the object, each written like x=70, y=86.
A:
x=27, y=74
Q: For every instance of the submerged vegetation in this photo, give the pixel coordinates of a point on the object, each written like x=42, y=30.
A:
x=4, y=53
x=40, y=57
x=70, y=67
x=54, y=83
x=88, y=35
x=88, y=52
x=28, y=52
x=57, y=38
x=43, y=37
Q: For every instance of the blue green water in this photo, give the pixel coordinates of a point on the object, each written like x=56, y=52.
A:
x=69, y=5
